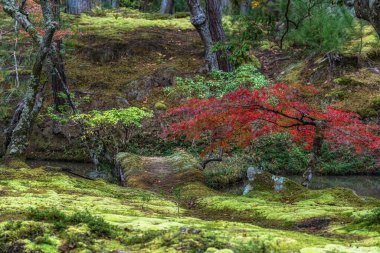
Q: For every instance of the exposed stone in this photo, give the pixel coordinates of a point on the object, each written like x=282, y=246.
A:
x=278, y=183
x=186, y=230
x=252, y=172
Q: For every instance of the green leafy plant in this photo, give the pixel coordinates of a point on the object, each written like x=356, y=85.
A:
x=321, y=27
x=219, y=83
x=110, y=131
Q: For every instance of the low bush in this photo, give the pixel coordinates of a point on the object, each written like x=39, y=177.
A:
x=218, y=83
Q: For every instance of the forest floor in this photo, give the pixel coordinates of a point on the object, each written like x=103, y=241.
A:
x=168, y=208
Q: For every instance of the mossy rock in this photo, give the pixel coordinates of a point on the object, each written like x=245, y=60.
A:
x=160, y=106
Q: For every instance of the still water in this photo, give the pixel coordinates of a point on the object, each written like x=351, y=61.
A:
x=362, y=185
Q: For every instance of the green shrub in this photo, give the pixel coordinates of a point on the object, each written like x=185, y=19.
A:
x=227, y=173
x=278, y=154
x=219, y=83
x=328, y=28
x=370, y=218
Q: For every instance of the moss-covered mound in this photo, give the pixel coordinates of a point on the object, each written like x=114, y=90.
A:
x=159, y=173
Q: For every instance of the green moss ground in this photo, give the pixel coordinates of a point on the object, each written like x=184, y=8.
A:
x=112, y=23
x=148, y=222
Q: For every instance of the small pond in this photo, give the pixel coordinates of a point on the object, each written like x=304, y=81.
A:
x=362, y=185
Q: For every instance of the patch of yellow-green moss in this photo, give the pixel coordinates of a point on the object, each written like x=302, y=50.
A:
x=110, y=25
x=293, y=74
x=160, y=105
x=150, y=222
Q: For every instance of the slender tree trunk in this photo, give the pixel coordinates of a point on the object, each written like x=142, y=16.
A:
x=369, y=11
x=76, y=7
x=315, y=154
x=167, y=7
x=226, y=6
x=244, y=7
x=144, y=5
x=214, y=18
x=33, y=98
x=199, y=21
x=55, y=7
x=58, y=77
x=56, y=65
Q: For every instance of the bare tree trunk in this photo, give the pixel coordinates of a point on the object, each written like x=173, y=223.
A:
x=56, y=66
x=76, y=7
x=226, y=6
x=58, y=77
x=244, y=7
x=144, y=5
x=199, y=21
x=32, y=102
x=369, y=11
x=315, y=154
x=214, y=18
x=167, y=7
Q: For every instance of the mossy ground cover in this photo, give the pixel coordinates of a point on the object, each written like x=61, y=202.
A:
x=47, y=211
x=112, y=23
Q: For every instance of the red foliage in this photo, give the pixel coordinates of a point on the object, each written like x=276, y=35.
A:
x=35, y=13
x=244, y=115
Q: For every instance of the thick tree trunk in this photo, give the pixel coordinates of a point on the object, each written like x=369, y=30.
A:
x=244, y=7
x=214, y=18
x=199, y=20
x=369, y=11
x=315, y=154
x=32, y=101
x=167, y=7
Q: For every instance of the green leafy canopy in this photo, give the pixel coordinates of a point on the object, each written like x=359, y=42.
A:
x=127, y=117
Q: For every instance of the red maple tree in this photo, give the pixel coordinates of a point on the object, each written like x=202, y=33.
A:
x=244, y=115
